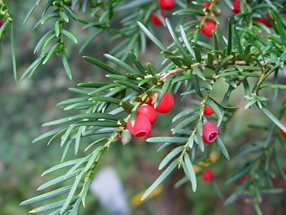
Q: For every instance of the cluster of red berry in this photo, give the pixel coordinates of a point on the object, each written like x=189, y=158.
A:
x=146, y=115
x=236, y=9
x=210, y=130
x=164, y=5
x=1, y=22
x=209, y=25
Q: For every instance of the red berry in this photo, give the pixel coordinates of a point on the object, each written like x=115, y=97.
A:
x=283, y=133
x=236, y=6
x=210, y=132
x=148, y=111
x=208, y=175
x=166, y=103
x=206, y=4
x=167, y=4
x=209, y=27
x=156, y=20
x=208, y=110
x=243, y=179
x=265, y=21
x=142, y=126
x=1, y=22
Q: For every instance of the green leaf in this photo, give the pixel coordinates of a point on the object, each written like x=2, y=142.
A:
x=47, y=17
x=47, y=38
x=164, y=146
x=57, y=28
x=66, y=149
x=90, y=39
x=278, y=165
x=167, y=139
x=66, y=66
x=189, y=171
x=189, y=11
x=3, y=27
x=244, y=170
x=235, y=195
x=13, y=53
x=198, y=72
x=47, y=207
x=48, y=134
x=130, y=85
x=93, y=116
x=75, y=208
x=151, y=69
x=66, y=135
x=133, y=4
x=217, y=110
x=222, y=148
x=137, y=63
x=70, y=12
x=46, y=196
x=186, y=122
x=273, y=118
x=223, y=63
x=279, y=27
x=61, y=165
x=160, y=179
x=230, y=29
x=52, y=51
x=186, y=42
x=190, y=142
x=77, y=165
x=101, y=65
x=30, y=12
x=120, y=63
x=177, y=42
x=170, y=156
x=151, y=36
x=185, y=113
x=93, y=158
x=72, y=192
x=97, y=124
x=78, y=138
x=58, y=180
x=198, y=139
x=229, y=3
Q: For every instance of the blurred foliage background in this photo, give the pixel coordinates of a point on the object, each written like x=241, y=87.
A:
x=25, y=105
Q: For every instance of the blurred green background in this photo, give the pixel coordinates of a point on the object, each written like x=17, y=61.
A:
x=25, y=105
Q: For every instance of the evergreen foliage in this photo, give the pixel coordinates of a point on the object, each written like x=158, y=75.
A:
x=241, y=52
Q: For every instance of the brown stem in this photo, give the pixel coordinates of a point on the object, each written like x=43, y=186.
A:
x=164, y=76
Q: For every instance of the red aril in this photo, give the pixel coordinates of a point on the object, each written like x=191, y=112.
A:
x=166, y=103
x=210, y=132
x=148, y=111
x=141, y=128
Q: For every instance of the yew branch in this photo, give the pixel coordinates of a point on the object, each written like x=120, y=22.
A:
x=164, y=76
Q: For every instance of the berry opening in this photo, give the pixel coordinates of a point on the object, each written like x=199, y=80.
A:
x=213, y=136
x=141, y=134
